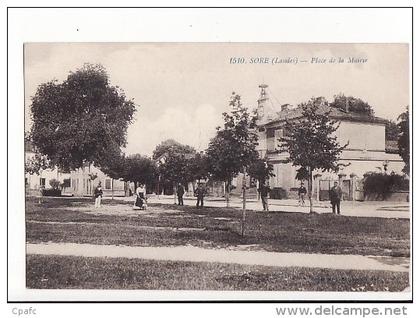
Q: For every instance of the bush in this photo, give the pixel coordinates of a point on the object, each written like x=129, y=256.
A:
x=278, y=193
x=380, y=185
x=54, y=183
x=51, y=192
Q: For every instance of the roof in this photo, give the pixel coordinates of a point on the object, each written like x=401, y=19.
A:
x=335, y=113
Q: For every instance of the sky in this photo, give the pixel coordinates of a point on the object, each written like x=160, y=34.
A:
x=181, y=89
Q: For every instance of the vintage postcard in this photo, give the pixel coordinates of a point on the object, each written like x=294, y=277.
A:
x=218, y=170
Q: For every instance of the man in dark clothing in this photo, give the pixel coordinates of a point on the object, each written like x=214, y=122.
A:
x=180, y=193
x=200, y=192
x=264, y=190
x=335, y=197
x=301, y=193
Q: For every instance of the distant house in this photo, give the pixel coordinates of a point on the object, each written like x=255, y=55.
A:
x=33, y=182
x=78, y=182
x=83, y=182
x=367, y=149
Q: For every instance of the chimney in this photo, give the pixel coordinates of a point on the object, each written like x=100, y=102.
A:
x=284, y=107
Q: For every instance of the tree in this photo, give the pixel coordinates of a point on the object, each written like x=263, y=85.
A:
x=174, y=161
x=171, y=146
x=198, y=167
x=133, y=168
x=36, y=164
x=81, y=120
x=115, y=167
x=352, y=104
x=233, y=149
x=311, y=143
x=391, y=130
x=261, y=170
x=140, y=169
x=404, y=140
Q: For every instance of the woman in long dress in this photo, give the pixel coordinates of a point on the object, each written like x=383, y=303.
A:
x=140, y=200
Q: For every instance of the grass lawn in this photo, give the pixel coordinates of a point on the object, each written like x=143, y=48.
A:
x=46, y=272
x=166, y=225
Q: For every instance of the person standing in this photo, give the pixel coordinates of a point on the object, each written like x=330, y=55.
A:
x=98, y=195
x=335, y=197
x=180, y=194
x=302, y=193
x=41, y=193
x=200, y=193
x=264, y=191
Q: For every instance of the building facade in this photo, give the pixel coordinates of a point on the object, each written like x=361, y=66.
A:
x=79, y=182
x=35, y=181
x=83, y=182
x=367, y=149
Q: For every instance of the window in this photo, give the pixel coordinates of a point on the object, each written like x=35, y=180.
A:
x=108, y=184
x=270, y=133
x=42, y=182
x=66, y=183
x=277, y=135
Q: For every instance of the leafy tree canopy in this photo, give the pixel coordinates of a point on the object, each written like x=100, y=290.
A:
x=175, y=161
x=234, y=146
x=198, y=167
x=404, y=139
x=391, y=130
x=80, y=120
x=140, y=169
x=310, y=141
x=134, y=168
x=352, y=104
x=171, y=147
x=261, y=170
x=37, y=163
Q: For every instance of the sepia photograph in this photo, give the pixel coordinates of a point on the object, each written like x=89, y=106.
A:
x=240, y=167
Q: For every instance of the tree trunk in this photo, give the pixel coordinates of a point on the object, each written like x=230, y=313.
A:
x=174, y=193
x=112, y=189
x=259, y=183
x=243, y=202
x=311, y=210
x=90, y=182
x=158, y=188
x=227, y=193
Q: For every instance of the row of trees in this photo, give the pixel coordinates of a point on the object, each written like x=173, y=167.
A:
x=84, y=120
x=231, y=151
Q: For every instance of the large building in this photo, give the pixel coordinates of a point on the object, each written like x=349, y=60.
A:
x=367, y=148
